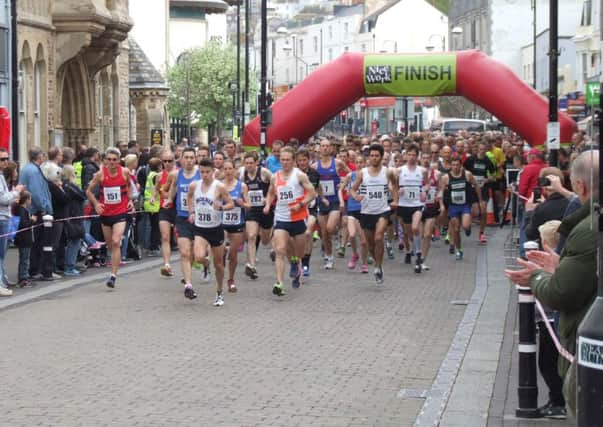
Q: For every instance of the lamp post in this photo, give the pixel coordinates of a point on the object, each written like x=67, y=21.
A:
x=233, y=87
x=238, y=88
x=430, y=47
x=246, y=108
x=263, y=72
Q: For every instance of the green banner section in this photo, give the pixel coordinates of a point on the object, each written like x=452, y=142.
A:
x=410, y=75
x=593, y=94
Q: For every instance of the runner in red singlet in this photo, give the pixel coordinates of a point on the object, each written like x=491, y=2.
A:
x=115, y=201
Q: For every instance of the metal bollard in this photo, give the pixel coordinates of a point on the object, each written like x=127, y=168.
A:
x=527, y=389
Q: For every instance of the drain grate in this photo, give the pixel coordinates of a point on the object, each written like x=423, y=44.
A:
x=412, y=393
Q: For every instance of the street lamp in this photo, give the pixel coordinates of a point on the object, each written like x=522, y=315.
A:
x=233, y=87
x=430, y=47
x=384, y=50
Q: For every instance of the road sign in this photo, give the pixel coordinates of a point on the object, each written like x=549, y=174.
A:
x=593, y=90
x=553, y=136
x=157, y=136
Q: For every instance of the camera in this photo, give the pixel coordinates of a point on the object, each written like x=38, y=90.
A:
x=537, y=194
x=544, y=182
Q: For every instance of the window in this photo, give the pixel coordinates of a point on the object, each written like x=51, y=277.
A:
x=301, y=47
x=186, y=13
x=473, y=34
x=586, y=13
x=315, y=43
x=584, y=67
x=22, y=106
x=287, y=77
x=346, y=28
x=4, y=50
x=330, y=32
x=301, y=73
x=37, y=104
x=330, y=54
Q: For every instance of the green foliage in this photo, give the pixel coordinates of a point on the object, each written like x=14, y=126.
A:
x=199, y=84
x=441, y=5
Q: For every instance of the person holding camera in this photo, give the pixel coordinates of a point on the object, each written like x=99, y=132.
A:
x=545, y=204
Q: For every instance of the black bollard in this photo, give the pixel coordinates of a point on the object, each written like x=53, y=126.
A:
x=527, y=389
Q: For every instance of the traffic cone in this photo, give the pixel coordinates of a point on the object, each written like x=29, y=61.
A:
x=490, y=209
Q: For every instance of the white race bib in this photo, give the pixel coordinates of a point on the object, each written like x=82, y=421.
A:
x=480, y=179
x=112, y=195
x=375, y=192
x=458, y=197
x=285, y=195
x=412, y=194
x=328, y=187
x=232, y=217
x=256, y=198
x=204, y=216
x=184, y=200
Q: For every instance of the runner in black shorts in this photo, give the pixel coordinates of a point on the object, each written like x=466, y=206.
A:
x=167, y=210
x=303, y=163
x=209, y=199
x=258, y=225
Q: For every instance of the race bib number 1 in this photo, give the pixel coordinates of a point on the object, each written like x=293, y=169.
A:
x=328, y=188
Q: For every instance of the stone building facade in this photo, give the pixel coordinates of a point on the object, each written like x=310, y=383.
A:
x=73, y=73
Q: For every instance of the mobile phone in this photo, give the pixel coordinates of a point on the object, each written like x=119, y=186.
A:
x=544, y=182
x=537, y=193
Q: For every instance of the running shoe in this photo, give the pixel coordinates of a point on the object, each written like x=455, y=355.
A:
x=436, y=234
x=219, y=301
x=296, y=282
x=315, y=236
x=451, y=249
x=166, y=271
x=341, y=252
x=378, y=276
x=370, y=260
x=306, y=271
x=400, y=246
x=468, y=232
x=364, y=269
x=278, y=290
x=459, y=255
x=353, y=261
x=196, y=265
x=408, y=258
x=389, y=249
x=189, y=292
x=425, y=267
x=482, y=238
x=251, y=272
x=273, y=255
x=206, y=274
x=418, y=265
x=447, y=238
x=231, y=286
x=329, y=263
x=25, y=283
x=294, y=269
x=111, y=282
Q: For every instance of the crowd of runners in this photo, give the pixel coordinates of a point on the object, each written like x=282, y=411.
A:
x=356, y=197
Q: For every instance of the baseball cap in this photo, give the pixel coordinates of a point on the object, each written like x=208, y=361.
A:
x=385, y=138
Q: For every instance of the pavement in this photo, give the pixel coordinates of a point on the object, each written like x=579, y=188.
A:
x=431, y=349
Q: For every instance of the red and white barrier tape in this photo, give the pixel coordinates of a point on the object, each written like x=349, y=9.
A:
x=82, y=217
x=562, y=351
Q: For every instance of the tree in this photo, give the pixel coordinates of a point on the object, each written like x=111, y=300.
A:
x=199, y=85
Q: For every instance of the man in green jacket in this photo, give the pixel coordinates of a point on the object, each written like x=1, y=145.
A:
x=568, y=283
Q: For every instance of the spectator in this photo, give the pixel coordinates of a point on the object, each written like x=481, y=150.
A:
x=552, y=208
x=68, y=156
x=74, y=229
x=90, y=165
x=41, y=262
x=53, y=174
x=568, y=283
x=151, y=239
x=24, y=238
x=7, y=197
x=528, y=180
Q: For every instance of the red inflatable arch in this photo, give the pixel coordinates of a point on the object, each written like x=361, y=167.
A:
x=472, y=74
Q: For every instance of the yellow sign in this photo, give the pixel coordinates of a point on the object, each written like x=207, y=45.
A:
x=410, y=75
x=156, y=136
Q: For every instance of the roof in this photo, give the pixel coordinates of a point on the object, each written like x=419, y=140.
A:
x=143, y=74
x=440, y=5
